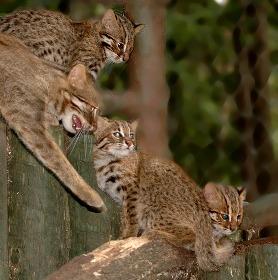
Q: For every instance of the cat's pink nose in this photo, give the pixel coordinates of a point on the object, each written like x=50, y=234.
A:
x=125, y=57
x=128, y=142
x=233, y=227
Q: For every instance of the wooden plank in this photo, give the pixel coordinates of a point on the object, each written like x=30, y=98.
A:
x=38, y=216
x=89, y=230
x=3, y=202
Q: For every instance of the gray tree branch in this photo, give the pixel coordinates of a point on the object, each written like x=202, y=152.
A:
x=261, y=213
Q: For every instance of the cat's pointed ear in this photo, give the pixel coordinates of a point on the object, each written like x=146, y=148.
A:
x=209, y=191
x=241, y=192
x=134, y=125
x=138, y=28
x=109, y=20
x=77, y=76
x=212, y=195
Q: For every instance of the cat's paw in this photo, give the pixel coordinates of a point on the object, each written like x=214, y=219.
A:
x=224, y=250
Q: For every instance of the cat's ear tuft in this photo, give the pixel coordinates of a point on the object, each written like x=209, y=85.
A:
x=241, y=192
x=109, y=20
x=138, y=28
x=134, y=125
x=77, y=77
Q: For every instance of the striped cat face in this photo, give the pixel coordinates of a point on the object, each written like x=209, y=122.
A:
x=114, y=137
x=117, y=36
x=225, y=207
x=78, y=109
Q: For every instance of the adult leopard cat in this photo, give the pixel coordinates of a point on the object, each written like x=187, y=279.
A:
x=55, y=37
x=34, y=95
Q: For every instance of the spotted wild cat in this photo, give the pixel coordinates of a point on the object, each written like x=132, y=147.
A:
x=55, y=37
x=157, y=194
x=33, y=96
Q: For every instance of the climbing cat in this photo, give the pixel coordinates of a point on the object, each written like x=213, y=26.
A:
x=56, y=38
x=34, y=95
x=157, y=194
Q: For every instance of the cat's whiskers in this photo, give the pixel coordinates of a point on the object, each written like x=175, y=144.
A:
x=80, y=132
x=85, y=143
x=71, y=142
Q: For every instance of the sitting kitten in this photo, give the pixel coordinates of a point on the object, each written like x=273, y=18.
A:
x=56, y=38
x=34, y=95
x=157, y=194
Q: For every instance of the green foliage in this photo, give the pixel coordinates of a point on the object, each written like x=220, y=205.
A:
x=200, y=76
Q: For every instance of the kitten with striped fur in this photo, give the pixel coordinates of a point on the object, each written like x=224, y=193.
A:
x=157, y=195
x=55, y=37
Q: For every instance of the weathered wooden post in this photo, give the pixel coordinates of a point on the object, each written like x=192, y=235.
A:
x=41, y=224
x=38, y=221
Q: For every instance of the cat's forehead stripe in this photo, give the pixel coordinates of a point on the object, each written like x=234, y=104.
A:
x=126, y=38
x=228, y=202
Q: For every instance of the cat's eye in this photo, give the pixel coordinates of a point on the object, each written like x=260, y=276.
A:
x=131, y=135
x=238, y=217
x=117, y=134
x=120, y=46
x=225, y=217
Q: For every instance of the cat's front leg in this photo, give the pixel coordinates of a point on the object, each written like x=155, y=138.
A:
x=35, y=136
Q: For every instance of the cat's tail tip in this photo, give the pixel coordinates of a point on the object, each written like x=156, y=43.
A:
x=100, y=209
x=93, y=202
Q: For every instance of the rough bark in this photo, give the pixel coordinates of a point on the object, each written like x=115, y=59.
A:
x=40, y=223
x=37, y=215
x=141, y=258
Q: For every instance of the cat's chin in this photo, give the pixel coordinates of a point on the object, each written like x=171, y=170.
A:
x=121, y=153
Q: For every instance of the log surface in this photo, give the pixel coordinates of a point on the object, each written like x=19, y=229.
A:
x=141, y=258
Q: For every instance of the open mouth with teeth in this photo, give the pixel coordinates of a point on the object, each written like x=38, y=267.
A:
x=76, y=123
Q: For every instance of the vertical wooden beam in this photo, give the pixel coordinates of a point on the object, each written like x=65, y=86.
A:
x=89, y=230
x=38, y=216
x=4, y=270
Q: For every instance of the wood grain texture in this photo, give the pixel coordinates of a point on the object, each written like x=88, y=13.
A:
x=38, y=238
x=141, y=258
